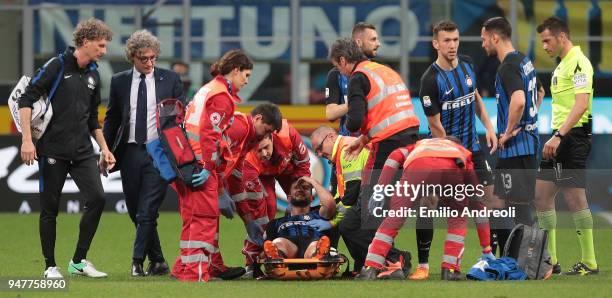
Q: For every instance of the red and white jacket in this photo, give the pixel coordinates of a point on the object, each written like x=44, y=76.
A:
x=238, y=140
x=290, y=155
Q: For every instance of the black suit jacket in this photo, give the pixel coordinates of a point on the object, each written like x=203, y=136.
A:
x=116, y=122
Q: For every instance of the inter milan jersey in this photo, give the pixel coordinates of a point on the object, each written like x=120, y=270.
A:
x=293, y=226
x=343, y=84
x=516, y=72
x=452, y=94
x=336, y=92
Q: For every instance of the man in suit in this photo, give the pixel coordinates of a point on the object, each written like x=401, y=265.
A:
x=129, y=124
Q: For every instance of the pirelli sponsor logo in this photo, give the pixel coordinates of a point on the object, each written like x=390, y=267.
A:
x=459, y=102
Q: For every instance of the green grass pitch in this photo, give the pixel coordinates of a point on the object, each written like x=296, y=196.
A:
x=20, y=256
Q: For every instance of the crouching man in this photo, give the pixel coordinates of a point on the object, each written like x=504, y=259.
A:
x=291, y=236
x=431, y=162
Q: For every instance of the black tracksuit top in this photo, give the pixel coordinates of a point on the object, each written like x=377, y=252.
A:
x=75, y=107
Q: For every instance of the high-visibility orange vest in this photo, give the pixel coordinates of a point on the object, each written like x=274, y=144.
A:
x=390, y=107
x=195, y=109
x=437, y=147
x=342, y=142
x=267, y=168
x=232, y=155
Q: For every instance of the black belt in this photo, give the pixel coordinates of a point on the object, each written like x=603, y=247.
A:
x=411, y=133
x=140, y=146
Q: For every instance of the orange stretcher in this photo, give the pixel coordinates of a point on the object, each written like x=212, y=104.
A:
x=303, y=269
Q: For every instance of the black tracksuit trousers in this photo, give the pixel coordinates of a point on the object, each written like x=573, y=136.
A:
x=53, y=173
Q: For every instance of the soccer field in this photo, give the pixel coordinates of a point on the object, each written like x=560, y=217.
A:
x=20, y=256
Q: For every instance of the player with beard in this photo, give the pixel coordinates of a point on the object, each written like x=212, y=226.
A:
x=336, y=89
x=291, y=236
x=517, y=116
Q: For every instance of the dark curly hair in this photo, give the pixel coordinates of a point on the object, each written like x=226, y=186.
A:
x=91, y=29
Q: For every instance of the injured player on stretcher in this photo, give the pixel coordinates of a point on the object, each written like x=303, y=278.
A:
x=291, y=236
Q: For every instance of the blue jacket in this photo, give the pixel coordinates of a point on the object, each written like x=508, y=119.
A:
x=504, y=268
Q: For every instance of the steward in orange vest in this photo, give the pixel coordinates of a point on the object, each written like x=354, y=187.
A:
x=380, y=108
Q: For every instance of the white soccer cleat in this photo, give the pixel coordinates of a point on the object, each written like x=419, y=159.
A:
x=53, y=273
x=85, y=268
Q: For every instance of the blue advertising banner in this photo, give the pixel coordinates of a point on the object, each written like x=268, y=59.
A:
x=602, y=116
x=261, y=28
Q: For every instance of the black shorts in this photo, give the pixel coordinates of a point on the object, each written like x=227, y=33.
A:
x=302, y=244
x=482, y=168
x=568, y=168
x=515, y=178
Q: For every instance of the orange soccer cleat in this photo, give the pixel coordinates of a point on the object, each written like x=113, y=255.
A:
x=421, y=273
x=271, y=250
x=322, y=247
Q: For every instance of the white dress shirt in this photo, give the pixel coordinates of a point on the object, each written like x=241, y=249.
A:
x=151, y=106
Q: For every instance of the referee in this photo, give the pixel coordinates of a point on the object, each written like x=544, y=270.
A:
x=565, y=153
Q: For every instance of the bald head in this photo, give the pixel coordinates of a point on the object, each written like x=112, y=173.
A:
x=322, y=140
x=321, y=132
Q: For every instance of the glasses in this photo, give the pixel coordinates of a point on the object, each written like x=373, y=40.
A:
x=320, y=147
x=144, y=60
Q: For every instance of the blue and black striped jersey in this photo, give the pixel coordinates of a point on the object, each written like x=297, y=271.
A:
x=517, y=72
x=293, y=226
x=336, y=91
x=343, y=84
x=452, y=94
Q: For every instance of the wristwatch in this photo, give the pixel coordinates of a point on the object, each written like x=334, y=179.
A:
x=559, y=135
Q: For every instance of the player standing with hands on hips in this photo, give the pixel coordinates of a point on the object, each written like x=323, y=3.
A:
x=517, y=115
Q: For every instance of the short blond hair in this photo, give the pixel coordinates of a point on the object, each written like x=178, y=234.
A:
x=91, y=29
x=140, y=41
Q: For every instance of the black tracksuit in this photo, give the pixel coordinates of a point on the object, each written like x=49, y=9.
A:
x=66, y=148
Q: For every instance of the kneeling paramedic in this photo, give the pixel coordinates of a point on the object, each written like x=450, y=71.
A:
x=431, y=162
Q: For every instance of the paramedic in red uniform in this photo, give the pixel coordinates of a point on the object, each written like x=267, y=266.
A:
x=240, y=138
x=283, y=157
x=433, y=162
x=208, y=115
